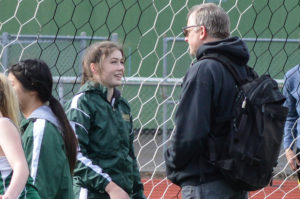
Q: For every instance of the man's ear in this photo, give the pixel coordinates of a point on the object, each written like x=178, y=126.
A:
x=203, y=33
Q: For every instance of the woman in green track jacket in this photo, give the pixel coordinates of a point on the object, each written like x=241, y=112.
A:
x=49, y=142
x=106, y=166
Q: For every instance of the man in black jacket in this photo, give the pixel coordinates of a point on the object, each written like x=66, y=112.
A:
x=208, y=92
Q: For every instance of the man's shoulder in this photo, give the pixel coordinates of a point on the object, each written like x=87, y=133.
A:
x=208, y=65
x=294, y=71
x=205, y=71
x=292, y=78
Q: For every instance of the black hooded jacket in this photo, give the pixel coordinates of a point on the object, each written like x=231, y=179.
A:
x=208, y=92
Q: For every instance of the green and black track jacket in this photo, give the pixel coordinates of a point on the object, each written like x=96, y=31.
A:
x=45, y=153
x=105, y=135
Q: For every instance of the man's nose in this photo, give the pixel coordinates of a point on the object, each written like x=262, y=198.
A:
x=186, y=39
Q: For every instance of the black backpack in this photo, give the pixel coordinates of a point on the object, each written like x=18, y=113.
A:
x=247, y=155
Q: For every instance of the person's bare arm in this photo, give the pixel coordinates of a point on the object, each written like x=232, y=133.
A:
x=11, y=145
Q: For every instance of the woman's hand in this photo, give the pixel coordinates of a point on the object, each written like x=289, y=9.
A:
x=116, y=192
x=292, y=159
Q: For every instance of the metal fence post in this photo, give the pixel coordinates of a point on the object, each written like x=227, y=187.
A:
x=164, y=93
x=61, y=92
x=129, y=62
x=82, y=50
x=5, y=41
x=114, y=37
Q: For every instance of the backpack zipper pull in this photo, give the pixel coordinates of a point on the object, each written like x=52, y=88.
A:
x=244, y=103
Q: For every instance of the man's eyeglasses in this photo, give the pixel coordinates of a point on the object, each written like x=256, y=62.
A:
x=186, y=31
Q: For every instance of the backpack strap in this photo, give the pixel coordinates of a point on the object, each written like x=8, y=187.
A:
x=229, y=66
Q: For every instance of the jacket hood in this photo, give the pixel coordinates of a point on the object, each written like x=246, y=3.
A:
x=90, y=86
x=45, y=112
x=233, y=48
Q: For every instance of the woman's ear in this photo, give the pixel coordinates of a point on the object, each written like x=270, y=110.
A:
x=95, y=72
x=93, y=68
x=33, y=93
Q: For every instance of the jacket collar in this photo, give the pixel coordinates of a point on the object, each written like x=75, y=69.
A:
x=102, y=90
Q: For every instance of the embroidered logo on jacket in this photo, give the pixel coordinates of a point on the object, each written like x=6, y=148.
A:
x=126, y=117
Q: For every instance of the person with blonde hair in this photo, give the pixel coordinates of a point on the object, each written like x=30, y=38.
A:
x=106, y=166
x=13, y=166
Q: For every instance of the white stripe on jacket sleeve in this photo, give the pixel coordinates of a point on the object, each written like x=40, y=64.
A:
x=38, y=133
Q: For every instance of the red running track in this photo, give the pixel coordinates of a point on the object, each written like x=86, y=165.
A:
x=164, y=189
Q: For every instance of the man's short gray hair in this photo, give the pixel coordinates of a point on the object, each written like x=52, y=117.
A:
x=213, y=18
